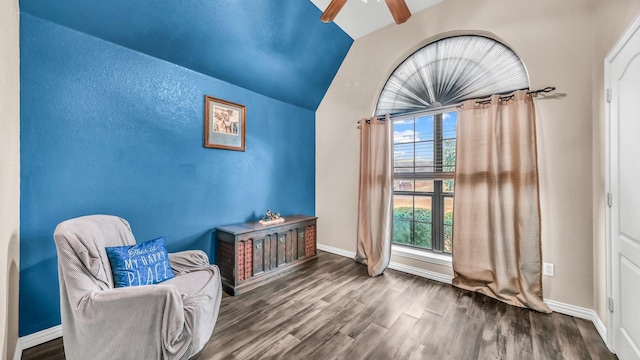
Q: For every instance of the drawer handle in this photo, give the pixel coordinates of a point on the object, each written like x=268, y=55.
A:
x=281, y=240
x=258, y=246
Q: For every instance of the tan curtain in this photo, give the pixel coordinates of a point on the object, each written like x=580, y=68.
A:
x=496, y=233
x=375, y=192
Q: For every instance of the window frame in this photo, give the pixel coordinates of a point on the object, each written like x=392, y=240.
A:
x=437, y=176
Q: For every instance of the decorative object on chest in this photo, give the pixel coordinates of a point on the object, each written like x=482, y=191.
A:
x=271, y=218
x=251, y=254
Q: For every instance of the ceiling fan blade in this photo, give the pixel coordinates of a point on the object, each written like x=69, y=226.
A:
x=399, y=10
x=332, y=10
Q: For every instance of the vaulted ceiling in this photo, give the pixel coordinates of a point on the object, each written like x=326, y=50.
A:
x=278, y=48
x=361, y=17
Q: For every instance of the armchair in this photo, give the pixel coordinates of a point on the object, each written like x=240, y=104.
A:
x=170, y=320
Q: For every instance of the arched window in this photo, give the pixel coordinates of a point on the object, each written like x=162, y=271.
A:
x=449, y=71
x=417, y=95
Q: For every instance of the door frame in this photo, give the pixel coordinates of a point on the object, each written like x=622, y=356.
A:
x=624, y=39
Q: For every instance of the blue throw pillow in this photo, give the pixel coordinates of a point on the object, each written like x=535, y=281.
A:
x=141, y=264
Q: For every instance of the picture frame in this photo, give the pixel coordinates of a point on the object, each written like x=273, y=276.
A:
x=224, y=124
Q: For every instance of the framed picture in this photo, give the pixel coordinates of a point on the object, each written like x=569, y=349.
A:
x=224, y=124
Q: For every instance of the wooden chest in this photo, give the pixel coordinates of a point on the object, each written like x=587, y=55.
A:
x=250, y=254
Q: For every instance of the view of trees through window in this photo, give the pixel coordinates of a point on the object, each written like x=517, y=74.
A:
x=424, y=164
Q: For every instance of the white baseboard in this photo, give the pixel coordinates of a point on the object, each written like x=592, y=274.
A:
x=17, y=355
x=37, y=338
x=431, y=275
x=55, y=332
x=582, y=313
x=602, y=330
x=571, y=310
x=337, y=251
x=559, y=307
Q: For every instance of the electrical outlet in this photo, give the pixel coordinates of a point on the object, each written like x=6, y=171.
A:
x=548, y=269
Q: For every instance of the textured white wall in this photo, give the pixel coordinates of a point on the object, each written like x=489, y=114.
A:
x=9, y=176
x=556, y=43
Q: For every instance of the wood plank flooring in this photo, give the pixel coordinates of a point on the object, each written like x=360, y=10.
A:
x=334, y=310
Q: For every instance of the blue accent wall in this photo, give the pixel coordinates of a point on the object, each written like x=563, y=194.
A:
x=273, y=47
x=105, y=129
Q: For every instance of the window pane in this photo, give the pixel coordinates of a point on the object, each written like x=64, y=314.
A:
x=448, y=211
x=422, y=226
x=424, y=144
x=448, y=224
x=402, y=232
x=403, y=185
x=403, y=131
x=422, y=235
x=448, y=243
x=422, y=208
x=424, y=156
x=403, y=207
x=449, y=155
x=449, y=125
x=447, y=186
x=424, y=185
x=424, y=128
x=449, y=130
x=403, y=157
x=402, y=219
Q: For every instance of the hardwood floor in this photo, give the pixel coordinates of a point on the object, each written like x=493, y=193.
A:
x=333, y=310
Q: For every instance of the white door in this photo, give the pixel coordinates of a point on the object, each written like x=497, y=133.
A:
x=622, y=69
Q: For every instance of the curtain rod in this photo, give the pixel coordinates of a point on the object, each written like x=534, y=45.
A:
x=459, y=105
x=533, y=93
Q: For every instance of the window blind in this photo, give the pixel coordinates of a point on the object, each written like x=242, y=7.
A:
x=450, y=71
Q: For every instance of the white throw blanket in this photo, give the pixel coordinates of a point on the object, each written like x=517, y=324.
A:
x=170, y=320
